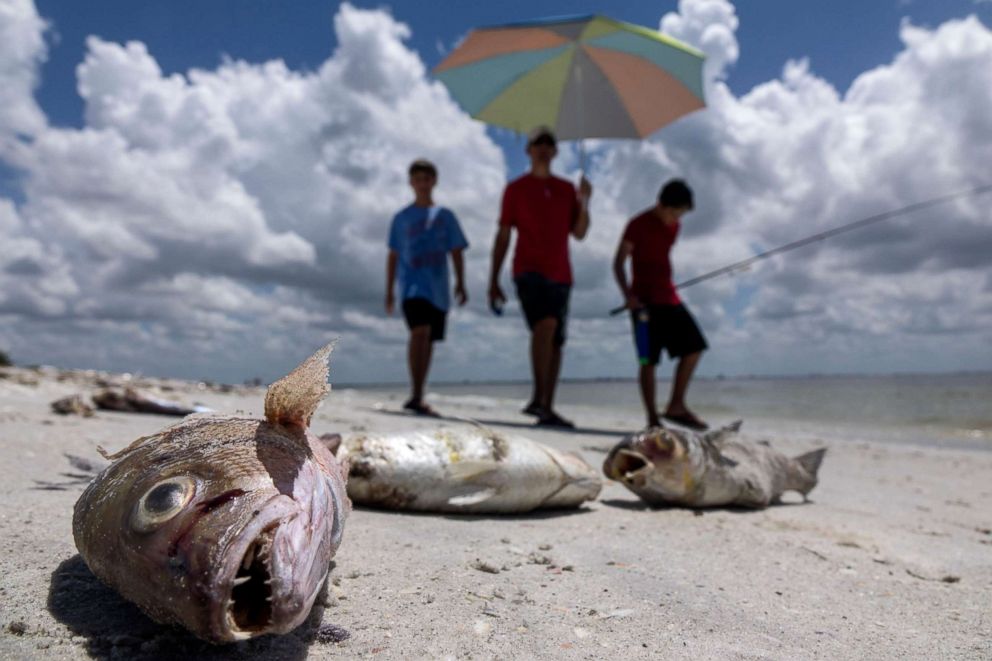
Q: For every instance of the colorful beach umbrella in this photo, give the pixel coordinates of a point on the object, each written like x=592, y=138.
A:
x=583, y=76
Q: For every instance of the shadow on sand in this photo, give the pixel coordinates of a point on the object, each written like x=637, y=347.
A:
x=534, y=515
x=116, y=629
x=732, y=509
x=530, y=426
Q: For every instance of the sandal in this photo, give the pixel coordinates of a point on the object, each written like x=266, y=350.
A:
x=533, y=408
x=418, y=407
x=552, y=419
x=687, y=420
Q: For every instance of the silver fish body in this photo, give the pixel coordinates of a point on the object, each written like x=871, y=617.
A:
x=223, y=525
x=670, y=467
x=464, y=470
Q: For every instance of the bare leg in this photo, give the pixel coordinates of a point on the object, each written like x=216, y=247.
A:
x=553, y=371
x=683, y=374
x=419, y=357
x=542, y=359
x=647, y=378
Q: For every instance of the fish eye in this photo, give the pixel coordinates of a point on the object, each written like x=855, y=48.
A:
x=162, y=502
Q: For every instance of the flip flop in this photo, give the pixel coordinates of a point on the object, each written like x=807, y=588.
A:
x=687, y=420
x=552, y=419
x=534, y=409
x=420, y=408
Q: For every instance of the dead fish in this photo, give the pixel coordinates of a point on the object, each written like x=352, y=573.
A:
x=132, y=401
x=224, y=525
x=72, y=405
x=669, y=467
x=466, y=470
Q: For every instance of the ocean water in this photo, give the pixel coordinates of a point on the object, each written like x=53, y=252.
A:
x=931, y=409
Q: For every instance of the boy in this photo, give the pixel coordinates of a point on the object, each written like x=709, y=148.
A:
x=545, y=210
x=656, y=310
x=420, y=238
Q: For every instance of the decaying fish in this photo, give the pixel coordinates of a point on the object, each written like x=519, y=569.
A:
x=224, y=525
x=133, y=401
x=72, y=405
x=669, y=467
x=464, y=470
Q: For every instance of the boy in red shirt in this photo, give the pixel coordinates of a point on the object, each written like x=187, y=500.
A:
x=545, y=210
x=653, y=301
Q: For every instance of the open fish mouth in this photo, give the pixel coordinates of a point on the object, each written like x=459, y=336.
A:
x=250, y=606
x=627, y=465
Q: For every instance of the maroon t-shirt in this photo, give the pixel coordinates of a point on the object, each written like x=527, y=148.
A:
x=652, y=241
x=542, y=209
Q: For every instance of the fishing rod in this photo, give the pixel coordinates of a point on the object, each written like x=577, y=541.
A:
x=824, y=235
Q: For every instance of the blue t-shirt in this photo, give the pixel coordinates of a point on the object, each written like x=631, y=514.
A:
x=422, y=238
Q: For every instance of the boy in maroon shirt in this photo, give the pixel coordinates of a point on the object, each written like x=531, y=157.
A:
x=653, y=301
x=545, y=210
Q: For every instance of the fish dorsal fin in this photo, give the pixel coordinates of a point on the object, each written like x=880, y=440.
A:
x=811, y=460
x=718, y=437
x=293, y=399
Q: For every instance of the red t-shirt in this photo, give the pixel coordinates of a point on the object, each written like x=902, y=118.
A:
x=652, y=241
x=543, y=210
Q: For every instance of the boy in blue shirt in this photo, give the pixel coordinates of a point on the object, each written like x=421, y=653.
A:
x=420, y=238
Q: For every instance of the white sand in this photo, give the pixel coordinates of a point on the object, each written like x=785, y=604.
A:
x=855, y=574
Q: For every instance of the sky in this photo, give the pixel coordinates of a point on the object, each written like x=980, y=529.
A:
x=204, y=190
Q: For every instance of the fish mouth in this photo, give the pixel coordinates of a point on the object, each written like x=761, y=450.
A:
x=627, y=464
x=249, y=610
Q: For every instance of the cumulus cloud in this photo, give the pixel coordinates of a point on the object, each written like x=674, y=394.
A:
x=244, y=207
x=222, y=222
x=796, y=156
x=22, y=50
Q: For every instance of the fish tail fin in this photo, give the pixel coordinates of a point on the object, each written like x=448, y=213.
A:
x=293, y=399
x=811, y=460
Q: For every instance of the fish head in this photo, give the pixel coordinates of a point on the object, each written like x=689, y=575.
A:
x=656, y=464
x=223, y=525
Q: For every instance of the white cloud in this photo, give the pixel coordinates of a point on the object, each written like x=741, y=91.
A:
x=22, y=50
x=250, y=183
x=223, y=222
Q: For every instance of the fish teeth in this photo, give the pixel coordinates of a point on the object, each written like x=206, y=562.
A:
x=249, y=557
x=242, y=580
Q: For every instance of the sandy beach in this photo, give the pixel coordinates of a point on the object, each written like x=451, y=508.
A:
x=891, y=559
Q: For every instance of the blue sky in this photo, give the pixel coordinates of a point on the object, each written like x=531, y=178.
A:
x=203, y=209
x=841, y=38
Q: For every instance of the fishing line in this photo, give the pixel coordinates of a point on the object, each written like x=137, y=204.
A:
x=736, y=266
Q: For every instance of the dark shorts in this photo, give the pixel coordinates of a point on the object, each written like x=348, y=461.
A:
x=672, y=328
x=421, y=312
x=541, y=298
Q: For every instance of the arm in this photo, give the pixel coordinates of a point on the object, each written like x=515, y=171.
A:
x=390, y=279
x=620, y=273
x=581, y=225
x=500, y=246
x=458, y=261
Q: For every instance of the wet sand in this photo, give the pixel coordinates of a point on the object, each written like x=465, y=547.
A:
x=891, y=559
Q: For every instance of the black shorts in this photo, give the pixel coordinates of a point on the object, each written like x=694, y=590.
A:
x=541, y=298
x=672, y=328
x=421, y=312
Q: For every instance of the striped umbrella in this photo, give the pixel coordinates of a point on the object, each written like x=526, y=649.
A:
x=583, y=76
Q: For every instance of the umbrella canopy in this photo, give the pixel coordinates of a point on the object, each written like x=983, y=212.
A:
x=583, y=76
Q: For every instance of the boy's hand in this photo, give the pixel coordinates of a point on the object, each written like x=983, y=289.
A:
x=585, y=190
x=496, y=296
x=634, y=303
x=390, y=303
x=460, y=294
